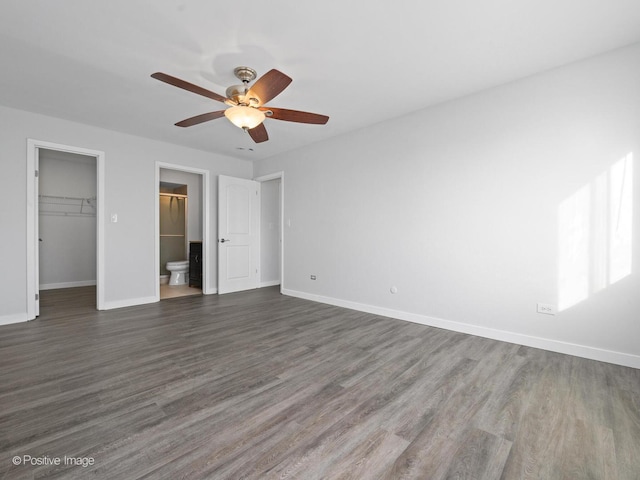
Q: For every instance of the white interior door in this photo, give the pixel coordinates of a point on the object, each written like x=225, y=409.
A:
x=238, y=234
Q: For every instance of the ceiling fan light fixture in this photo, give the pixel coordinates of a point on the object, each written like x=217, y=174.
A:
x=244, y=117
x=247, y=110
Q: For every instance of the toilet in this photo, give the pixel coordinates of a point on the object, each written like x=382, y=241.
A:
x=179, y=272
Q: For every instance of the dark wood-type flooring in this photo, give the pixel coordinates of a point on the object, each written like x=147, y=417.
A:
x=256, y=385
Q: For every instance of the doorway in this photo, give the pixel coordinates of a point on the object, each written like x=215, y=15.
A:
x=182, y=230
x=80, y=203
x=272, y=230
x=67, y=208
x=270, y=233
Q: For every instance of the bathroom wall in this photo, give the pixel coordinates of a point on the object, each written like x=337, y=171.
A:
x=173, y=233
x=67, y=228
x=193, y=182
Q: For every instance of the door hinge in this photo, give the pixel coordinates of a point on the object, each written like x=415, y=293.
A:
x=36, y=173
x=37, y=296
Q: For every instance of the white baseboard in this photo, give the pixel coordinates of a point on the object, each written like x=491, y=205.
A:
x=54, y=286
x=129, y=302
x=15, y=318
x=271, y=283
x=593, y=353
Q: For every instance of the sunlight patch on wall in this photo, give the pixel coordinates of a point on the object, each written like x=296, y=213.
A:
x=594, y=235
x=621, y=226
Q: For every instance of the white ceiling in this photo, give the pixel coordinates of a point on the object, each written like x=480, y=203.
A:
x=360, y=62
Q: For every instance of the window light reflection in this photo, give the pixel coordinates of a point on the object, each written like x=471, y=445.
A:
x=595, y=233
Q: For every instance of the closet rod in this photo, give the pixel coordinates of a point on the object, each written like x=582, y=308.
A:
x=179, y=195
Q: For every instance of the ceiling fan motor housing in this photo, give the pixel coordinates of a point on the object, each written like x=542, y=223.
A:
x=245, y=74
x=237, y=93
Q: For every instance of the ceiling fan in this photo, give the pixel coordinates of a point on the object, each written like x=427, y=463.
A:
x=247, y=109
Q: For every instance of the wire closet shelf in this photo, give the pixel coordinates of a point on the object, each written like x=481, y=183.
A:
x=67, y=206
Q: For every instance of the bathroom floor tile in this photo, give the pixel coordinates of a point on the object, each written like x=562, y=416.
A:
x=172, y=291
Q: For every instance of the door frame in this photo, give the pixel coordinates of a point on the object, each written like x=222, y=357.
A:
x=33, y=281
x=266, y=178
x=205, y=211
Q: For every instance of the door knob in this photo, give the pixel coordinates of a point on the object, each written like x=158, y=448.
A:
x=222, y=240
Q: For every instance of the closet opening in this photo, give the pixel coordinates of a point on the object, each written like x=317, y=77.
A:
x=67, y=208
x=64, y=234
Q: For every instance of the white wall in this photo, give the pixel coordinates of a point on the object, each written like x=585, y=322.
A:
x=270, y=232
x=129, y=191
x=457, y=206
x=68, y=247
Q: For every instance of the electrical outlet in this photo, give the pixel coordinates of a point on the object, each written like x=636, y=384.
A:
x=313, y=277
x=546, y=308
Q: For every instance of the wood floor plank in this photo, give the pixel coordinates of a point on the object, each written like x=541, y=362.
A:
x=481, y=456
x=257, y=385
x=626, y=432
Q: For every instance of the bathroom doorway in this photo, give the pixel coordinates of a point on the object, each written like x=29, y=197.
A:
x=64, y=222
x=176, y=239
x=182, y=231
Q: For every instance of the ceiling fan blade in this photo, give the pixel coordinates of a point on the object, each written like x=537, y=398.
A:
x=205, y=117
x=295, y=116
x=259, y=133
x=269, y=86
x=176, y=82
